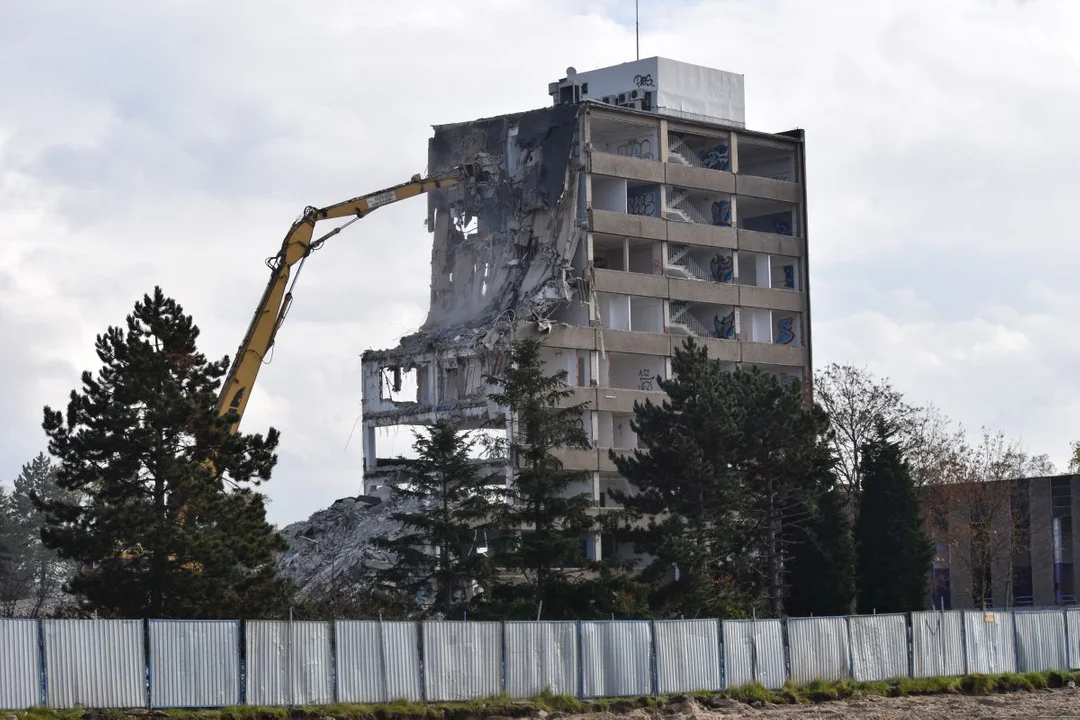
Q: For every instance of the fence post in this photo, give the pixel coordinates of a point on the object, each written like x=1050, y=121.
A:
x=581, y=660
x=43, y=672
x=654, y=669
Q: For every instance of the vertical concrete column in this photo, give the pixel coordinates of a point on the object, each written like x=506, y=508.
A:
x=1042, y=541
x=369, y=449
x=1074, y=491
x=960, y=559
x=733, y=142
x=1000, y=579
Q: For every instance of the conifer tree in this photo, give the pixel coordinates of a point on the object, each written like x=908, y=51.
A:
x=821, y=573
x=9, y=583
x=38, y=572
x=172, y=524
x=543, y=529
x=733, y=461
x=894, y=556
x=439, y=556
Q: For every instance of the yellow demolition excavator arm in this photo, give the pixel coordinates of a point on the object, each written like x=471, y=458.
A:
x=297, y=246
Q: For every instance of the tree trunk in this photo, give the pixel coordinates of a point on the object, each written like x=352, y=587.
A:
x=774, y=568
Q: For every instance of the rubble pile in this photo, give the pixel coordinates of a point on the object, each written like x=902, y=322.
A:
x=330, y=551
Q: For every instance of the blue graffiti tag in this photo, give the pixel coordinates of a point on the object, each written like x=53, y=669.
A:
x=722, y=268
x=725, y=326
x=719, y=158
x=784, y=334
x=789, y=276
x=721, y=212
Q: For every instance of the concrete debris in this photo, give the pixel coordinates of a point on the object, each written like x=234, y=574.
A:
x=332, y=549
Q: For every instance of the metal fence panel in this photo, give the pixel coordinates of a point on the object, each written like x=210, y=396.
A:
x=1073, y=617
x=462, y=660
x=687, y=656
x=20, y=658
x=989, y=642
x=1040, y=641
x=753, y=653
x=377, y=661
x=616, y=658
x=194, y=663
x=541, y=656
x=289, y=663
x=819, y=649
x=95, y=663
x=879, y=647
x=937, y=644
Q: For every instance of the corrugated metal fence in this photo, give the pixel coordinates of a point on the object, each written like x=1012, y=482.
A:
x=216, y=663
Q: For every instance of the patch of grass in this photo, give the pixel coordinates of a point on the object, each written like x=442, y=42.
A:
x=754, y=692
x=821, y=691
x=503, y=706
x=1012, y=682
x=978, y=684
x=551, y=702
x=927, y=686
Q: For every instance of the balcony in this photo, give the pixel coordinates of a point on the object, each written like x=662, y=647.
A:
x=767, y=161
x=778, y=327
x=625, y=138
x=632, y=371
x=701, y=320
x=697, y=206
x=634, y=255
x=708, y=153
x=575, y=363
x=691, y=262
x=626, y=312
x=769, y=271
x=768, y=216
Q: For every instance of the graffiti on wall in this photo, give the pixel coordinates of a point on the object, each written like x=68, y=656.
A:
x=718, y=158
x=644, y=201
x=721, y=212
x=724, y=327
x=640, y=148
x=646, y=380
x=722, y=268
x=785, y=333
x=789, y=276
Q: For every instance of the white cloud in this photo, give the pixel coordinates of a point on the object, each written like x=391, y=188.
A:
x=174, y=143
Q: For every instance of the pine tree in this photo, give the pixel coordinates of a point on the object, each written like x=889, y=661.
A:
x=685, y=474
x=733, y=460
x=894, y=556
x=437, y=556
x=543, y=530
x=10, y=587
x=38, y=572
x=821, y=577
x=172, y=524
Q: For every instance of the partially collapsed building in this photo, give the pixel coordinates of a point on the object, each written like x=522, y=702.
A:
x=635, y=211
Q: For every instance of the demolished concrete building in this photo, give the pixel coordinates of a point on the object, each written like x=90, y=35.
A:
x=635, y=211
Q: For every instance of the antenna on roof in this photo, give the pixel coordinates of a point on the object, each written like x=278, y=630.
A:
x=637, y=31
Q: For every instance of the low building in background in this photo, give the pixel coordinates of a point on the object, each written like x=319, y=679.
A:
x=1006, y=543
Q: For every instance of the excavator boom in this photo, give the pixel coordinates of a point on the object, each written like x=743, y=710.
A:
x=295, y=248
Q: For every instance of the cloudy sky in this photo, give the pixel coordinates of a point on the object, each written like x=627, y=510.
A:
x=174, y=142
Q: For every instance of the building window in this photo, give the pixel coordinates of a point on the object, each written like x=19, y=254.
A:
x=942, y=589
x=1023, y=594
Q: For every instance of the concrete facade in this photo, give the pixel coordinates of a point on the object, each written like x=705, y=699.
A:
x=1033, y=559
x=683, y=227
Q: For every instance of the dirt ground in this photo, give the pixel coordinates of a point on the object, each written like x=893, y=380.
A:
x=1064, y=703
